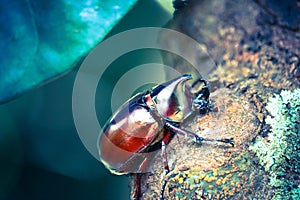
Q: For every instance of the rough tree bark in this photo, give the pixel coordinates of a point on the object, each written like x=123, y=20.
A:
x=256, y=45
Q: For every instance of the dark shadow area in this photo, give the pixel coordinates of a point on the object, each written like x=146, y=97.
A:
x=41, y=154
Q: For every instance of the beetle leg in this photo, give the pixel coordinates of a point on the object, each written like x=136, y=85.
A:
x=138, y=177
x=197, y=138
x=164, y=156
x=166, y=139
x=167, y=170
x=137, y=192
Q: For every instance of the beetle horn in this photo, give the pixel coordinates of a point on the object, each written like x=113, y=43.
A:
x=172, y=100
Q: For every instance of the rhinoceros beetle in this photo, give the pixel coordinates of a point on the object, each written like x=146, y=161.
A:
x=147, y=122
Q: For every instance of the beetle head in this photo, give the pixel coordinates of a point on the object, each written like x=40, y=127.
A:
x=173, y=102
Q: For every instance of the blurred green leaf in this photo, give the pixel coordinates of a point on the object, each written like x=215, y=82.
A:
x=42, y=39
x=167, y=5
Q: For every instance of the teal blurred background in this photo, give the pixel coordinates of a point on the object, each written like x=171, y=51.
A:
x=41, y=154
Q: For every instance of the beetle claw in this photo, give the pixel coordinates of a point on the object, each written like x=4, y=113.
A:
x=198, y=140
x=228, y=141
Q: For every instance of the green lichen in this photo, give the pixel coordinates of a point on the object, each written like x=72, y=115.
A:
x=279, y=153
x=231, y=181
